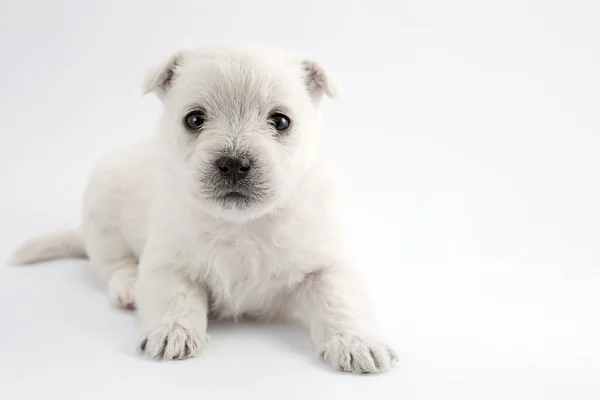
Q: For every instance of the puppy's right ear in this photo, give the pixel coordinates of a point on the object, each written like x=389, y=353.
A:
x=160, y=77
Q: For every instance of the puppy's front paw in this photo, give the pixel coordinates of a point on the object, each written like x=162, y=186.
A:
x=357, y=354
x=172, y=342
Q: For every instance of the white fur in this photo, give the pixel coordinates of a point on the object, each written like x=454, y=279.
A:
x=66, y=243
x=157, y=239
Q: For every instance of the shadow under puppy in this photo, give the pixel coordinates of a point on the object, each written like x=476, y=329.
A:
x=228, y=208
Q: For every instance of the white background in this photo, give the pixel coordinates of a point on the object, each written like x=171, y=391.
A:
x=467, y=139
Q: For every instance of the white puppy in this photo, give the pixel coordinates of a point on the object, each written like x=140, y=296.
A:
x=228, y=210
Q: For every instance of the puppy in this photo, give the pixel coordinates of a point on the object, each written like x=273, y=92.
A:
x=228, y=209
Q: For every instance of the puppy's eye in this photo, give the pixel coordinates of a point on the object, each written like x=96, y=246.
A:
x=194, y=120
x=280, y=121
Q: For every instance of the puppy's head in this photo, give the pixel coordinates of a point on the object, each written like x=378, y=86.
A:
x=242, y=124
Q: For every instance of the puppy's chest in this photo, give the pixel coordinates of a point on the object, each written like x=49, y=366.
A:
x=248, y=273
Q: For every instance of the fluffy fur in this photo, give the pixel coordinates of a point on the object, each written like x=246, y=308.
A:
x=160, y=231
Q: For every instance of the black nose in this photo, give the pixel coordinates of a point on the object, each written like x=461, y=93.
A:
x=234, y=169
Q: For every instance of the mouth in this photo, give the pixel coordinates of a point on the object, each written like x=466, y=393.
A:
x=235, y=196
x=235, y=200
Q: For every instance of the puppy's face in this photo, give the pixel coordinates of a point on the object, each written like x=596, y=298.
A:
x=243, y=124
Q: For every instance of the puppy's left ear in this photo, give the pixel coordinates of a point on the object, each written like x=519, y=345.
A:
x=160, y=78
x=320, y=81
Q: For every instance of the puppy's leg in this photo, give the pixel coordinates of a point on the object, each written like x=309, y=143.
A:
x=173, y=313
x=334, y=305
x=121, y=284
x=113, y=262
